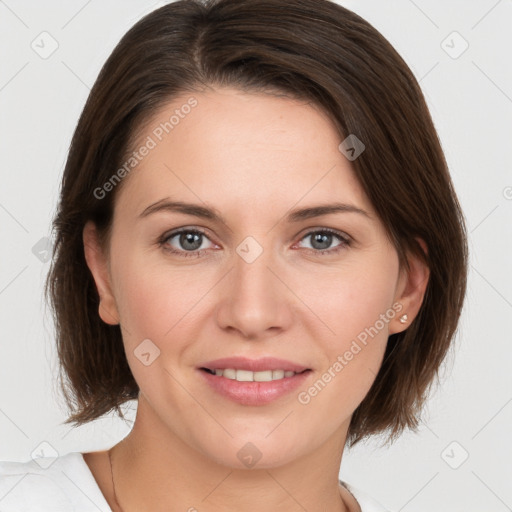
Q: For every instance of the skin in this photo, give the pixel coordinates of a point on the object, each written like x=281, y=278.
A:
x=253, y=157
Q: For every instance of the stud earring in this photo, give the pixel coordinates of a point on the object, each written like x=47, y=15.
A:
x=403, y=319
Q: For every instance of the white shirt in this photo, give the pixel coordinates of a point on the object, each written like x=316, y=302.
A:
x=66, y=484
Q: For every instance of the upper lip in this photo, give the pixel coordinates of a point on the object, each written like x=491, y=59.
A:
x=253, y=365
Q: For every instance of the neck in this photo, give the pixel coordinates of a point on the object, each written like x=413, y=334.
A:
x=153, y=467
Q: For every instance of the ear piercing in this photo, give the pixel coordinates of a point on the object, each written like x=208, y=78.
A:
x=403, y=319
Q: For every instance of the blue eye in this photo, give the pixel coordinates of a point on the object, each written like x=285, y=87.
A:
x=187, y=242
x=322, y=239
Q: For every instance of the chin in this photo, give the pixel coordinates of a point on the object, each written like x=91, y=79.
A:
x=256, y=452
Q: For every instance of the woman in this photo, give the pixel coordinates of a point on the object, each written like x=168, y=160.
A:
x=258, y=239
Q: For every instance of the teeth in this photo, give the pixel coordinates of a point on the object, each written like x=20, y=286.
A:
x=244, y=376
x=228, y=373
x=248, y=376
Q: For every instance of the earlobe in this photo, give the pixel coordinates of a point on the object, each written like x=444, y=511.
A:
x=97, y=263
x=411, y=290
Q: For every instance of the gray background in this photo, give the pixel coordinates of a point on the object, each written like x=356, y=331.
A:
x=470, y=97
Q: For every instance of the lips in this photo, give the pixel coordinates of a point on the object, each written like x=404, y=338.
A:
x=253, y=365
x=248, y=376
x=248, y=382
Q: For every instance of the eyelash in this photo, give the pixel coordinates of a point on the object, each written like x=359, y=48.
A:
x=343, y=238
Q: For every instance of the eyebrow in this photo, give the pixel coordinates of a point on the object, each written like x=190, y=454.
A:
x=203, y=212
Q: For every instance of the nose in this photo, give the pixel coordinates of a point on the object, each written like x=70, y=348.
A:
x=254, y=299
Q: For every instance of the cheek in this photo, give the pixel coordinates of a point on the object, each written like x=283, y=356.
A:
x=161, y=306
x=152, y=299
x=350, y=300
x=356, y=307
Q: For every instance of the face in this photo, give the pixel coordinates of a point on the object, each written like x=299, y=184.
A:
x=274, y=251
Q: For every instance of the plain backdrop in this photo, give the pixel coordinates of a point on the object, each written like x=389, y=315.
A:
x=461, y=457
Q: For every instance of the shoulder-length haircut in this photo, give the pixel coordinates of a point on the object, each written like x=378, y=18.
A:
x=306, y=49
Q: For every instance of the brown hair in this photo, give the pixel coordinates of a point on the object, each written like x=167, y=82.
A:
x=312, y=49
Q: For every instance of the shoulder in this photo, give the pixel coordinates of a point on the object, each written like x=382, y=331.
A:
x=61, y=484
x=366, y=502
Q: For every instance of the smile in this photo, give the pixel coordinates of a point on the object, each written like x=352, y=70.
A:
x=255, y=382
x=248, y=376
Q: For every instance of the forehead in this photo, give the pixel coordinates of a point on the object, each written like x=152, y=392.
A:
x=236, y=148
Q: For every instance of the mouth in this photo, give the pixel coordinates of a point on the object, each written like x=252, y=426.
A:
x=250, y=376
x=253, y=382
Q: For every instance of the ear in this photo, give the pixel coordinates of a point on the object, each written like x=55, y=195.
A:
x=98, y=265
x=411, y=287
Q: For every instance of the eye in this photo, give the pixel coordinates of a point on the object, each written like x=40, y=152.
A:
x=185, y=242
x=322, y=239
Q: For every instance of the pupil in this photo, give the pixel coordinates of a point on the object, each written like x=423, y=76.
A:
x=324, y=240
x=190, y=238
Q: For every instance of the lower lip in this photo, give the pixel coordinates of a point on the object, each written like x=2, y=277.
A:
x=254, y=393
